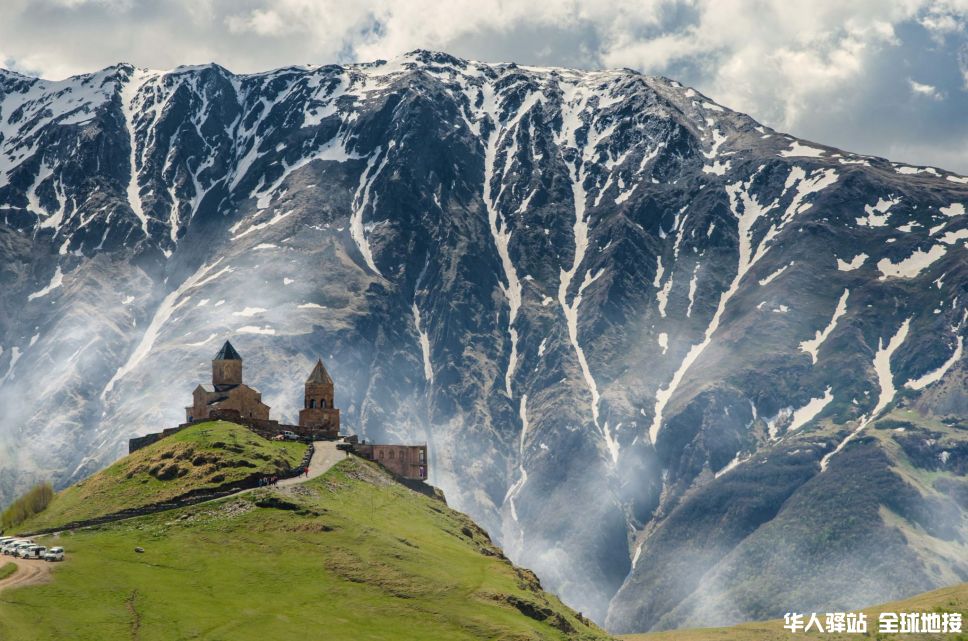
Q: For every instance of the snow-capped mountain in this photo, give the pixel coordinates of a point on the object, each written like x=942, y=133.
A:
x=689, y=369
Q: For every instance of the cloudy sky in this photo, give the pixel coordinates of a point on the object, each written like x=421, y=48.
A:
x=885, y=77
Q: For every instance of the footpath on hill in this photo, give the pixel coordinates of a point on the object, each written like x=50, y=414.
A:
x=29, y=572
x=325, y=456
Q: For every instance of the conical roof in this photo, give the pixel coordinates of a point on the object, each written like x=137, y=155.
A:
x=227, y=353
x=320, y=375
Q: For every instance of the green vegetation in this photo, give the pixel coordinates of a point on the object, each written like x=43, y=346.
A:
x=7, y=569
x=953, y=599
x=30, y=504
x=350, y=555
x=201, y=457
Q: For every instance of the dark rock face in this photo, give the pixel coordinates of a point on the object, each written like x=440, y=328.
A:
x=647, y=340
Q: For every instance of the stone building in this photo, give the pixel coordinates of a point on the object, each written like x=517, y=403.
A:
x=318, y=411
x=406, y=461
x=227, y=391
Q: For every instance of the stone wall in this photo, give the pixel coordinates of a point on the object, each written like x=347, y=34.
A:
x=405, y=461
x=265, y=428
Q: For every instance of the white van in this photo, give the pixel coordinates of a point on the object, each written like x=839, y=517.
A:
x=54, y=554
x=33, y=552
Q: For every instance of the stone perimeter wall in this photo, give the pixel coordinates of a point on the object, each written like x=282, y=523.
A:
x=262, y=427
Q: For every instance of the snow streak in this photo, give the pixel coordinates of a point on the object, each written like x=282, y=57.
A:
x=936, y=375
x=360, y=201
x=573, y=104
x=129, y=95
x=522, y=473
x=808, y=412
x=812, y=346
x=168, y=306
x=748, y=211
x=885, y=379
x=424, y=344
x=500, y=229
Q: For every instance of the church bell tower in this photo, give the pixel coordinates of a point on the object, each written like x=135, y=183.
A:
x=227, y=367
x=318, y=411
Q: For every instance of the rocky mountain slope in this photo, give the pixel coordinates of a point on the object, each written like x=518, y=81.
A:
x=648, y=340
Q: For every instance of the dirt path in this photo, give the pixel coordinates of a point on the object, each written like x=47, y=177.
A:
x=29, y=572
x=324, y=457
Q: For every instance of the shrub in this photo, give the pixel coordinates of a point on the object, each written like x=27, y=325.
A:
x=33, y=502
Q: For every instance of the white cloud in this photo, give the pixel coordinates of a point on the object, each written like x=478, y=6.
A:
x=259, y=21
x=921, y=89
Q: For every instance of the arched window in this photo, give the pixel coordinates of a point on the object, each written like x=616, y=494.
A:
x=312, y=403
x=322, y=403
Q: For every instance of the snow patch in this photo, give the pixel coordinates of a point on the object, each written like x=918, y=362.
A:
x=938, y=374
x=808, y=412
x=769, y=279
x=664, y=342
x=56, y=281
x=799, y=149
x=911, y=266
x=854, y=263
x=952, y=237
x=878, y=214
x=812, y=346
x=952, y=210
x=424, y=344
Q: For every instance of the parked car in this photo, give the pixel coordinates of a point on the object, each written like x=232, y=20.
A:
x=13, y=548
x=290, y=436
x=33, y=552
x=54, y=554
x=20, y=548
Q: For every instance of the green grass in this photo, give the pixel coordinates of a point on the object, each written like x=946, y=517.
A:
x=351, y=555
x=203, y=456
x=7, y=570
x=951, y=599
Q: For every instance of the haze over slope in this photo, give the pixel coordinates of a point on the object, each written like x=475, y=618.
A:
x=639, y=331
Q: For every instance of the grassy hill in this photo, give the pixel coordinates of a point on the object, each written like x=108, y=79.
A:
x=350, y=555
x=203, y=456
x=952, y=599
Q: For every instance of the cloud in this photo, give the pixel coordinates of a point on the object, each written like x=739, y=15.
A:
x=816, y=69
x=920, y=89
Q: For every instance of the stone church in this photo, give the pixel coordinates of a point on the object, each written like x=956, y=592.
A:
x=227, y=391
x=228, y=397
